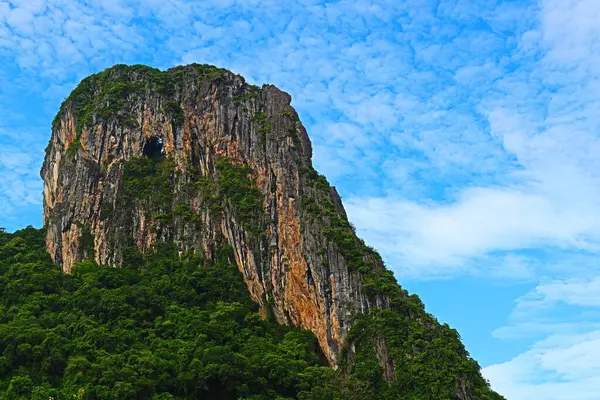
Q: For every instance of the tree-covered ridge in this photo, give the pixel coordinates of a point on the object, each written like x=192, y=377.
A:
x=166, y=328
x=429, y=358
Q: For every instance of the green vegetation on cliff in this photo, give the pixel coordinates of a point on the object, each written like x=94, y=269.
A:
x=151, y=180
x=165, y=327
x=429, y=358
x=106, y=94
x=238, y=187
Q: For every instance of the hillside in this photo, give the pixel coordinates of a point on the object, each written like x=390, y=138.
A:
x=162, y=327
x=200, y=190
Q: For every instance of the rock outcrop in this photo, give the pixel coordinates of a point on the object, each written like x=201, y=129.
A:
x=203, y=116
x=197, y=157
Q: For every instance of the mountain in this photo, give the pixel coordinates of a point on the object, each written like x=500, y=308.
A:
x=196, y=158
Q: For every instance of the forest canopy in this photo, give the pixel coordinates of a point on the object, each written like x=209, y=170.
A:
x=169, y=327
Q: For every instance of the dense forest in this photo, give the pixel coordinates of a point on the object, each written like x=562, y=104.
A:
x=160, y=327
x=168, y=327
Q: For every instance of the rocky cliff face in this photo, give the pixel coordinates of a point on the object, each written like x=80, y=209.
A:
x=198, y=157
x=200, y=122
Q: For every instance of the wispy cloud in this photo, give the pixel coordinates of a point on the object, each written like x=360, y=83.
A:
x=479, y=222
x=575, y=292
x=560, y=367
x=564, y=317
x=528, y=146
x=20, y=185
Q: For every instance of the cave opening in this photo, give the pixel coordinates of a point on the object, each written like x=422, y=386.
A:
x=153, y=148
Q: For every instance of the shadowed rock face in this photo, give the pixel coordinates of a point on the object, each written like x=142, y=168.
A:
x=196, y=157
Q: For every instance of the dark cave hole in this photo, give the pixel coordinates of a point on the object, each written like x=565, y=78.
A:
x=309, y=278
x=154, y=147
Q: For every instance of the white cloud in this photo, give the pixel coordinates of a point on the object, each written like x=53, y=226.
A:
x=525, y=330
x=540, y=175
x=574, y=300
x=21, y=190
x=566, y=364
x=570, y=29
x=575, y=292
x=480, y=221
x=4, y=10
x=13, y=158
x=558, y=368
x=20, y=185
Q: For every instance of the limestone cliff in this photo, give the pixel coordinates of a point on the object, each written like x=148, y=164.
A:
x=196, y=156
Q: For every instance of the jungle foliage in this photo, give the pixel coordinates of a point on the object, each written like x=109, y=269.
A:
x=170, y=327
x=166, y=328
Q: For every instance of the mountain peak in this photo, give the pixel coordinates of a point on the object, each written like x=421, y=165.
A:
x=196, y=156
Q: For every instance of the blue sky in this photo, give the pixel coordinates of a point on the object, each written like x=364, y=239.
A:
x=463, y=136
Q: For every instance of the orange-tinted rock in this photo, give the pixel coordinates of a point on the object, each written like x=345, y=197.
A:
x=294, y=268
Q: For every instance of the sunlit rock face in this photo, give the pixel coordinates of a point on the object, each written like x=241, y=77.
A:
x=187, y=120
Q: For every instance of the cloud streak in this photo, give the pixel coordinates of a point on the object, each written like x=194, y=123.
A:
x=563, y=363
x=560, y=367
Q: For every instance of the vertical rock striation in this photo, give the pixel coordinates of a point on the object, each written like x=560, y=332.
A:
x=196, y=156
